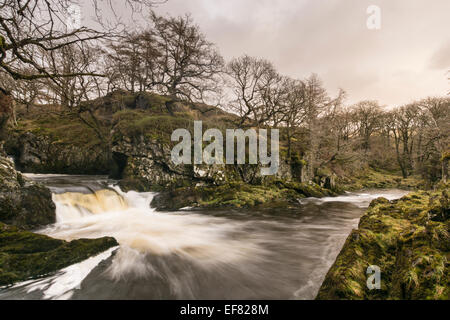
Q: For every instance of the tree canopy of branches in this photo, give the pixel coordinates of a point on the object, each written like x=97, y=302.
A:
x=33, y=31
x=172, y=57
x=257, y=88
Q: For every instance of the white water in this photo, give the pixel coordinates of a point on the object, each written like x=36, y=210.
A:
x=238, y=255
x=62, y=285
x=139, y=230
x=361, y=200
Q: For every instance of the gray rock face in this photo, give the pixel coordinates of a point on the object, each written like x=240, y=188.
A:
x=39, y=154
x=23, y=203
x=147, y=165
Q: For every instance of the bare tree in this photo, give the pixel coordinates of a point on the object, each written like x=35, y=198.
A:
x=435, y=134
x=187, y=66
x=294, y=110
x=131, y=61
x=317, y=103
x=257, y=88
x=367, y=115
x=33, y=28
x=403, y=127
x=23, y=92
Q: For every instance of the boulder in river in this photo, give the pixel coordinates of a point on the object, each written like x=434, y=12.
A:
x=408, y=240
x=22, y=202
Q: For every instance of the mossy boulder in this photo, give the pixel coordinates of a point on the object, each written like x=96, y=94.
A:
x=237, y=194
x=32, y=207
x=25, y=255
x=402, y=238
x=22, y=202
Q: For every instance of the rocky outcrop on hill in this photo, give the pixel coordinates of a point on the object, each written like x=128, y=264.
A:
x=144, y=164
x=39, y=153
x=408, y=239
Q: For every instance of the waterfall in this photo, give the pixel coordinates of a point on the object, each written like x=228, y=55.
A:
x=141, y=231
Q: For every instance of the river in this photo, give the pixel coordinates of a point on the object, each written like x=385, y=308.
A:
x=209, y=254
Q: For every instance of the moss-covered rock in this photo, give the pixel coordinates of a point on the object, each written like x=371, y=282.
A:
x=53, y=147
x=25, y=255
x=402, y=238
x=238, y=195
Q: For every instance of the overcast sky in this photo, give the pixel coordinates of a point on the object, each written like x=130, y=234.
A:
x=407, y=59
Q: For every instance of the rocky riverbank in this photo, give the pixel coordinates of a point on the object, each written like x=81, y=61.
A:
x=24, y=206
x=408, y=239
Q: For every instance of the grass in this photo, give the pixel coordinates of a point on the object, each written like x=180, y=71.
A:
x=376, y=179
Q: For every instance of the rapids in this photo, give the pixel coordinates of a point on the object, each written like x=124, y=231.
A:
x=222, y=254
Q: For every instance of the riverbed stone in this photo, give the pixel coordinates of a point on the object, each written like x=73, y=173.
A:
x=25, y=255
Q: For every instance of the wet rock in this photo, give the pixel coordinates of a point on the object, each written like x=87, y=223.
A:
x=236, y=194
x=39, y=153
x=23, y=203
x=25, y=255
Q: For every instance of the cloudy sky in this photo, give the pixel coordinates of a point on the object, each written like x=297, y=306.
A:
x=407, y=59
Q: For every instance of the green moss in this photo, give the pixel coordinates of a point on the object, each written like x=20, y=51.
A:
x=133, y=123
x=410, y=249
x=63, y=128
x=379, y=179
x=238, y=195
x=25, y=255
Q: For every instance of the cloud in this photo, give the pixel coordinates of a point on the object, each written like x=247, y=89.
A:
x=331, y=38
x=441, y=57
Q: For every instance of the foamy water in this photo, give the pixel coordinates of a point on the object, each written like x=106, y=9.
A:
x=361, y=199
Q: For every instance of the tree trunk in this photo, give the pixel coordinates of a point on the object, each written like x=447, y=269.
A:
x=445, y=170
x=169, y=106
x=6, y=101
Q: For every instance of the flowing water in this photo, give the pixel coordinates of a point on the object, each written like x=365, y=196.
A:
x=220, y=254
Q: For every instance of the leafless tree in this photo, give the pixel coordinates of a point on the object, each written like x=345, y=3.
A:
x=293, y=112
x=434, y=134
x=187, y=66
x=367, y=117
x=131, y=61
x=258, y=90
x=403, y=126
x=33, y=28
